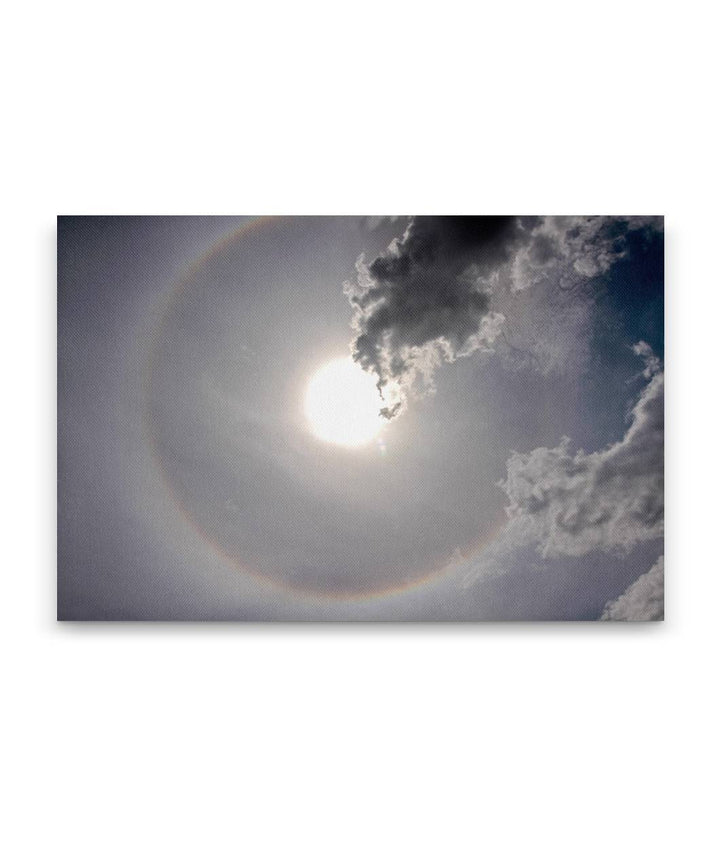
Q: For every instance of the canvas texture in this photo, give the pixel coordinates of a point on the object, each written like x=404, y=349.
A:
x=370, y=418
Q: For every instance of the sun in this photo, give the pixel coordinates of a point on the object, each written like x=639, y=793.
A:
x=342, y=404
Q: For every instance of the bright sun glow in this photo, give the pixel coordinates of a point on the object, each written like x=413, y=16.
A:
x=342, y=404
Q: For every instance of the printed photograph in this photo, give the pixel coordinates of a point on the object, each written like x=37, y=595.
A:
x=361, y=418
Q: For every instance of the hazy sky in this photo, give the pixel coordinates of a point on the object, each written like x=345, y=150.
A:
x=519, y=475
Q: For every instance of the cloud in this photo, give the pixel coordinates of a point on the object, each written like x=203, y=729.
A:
x=644, y=600
x=444, y=289
x=607, y=500
x=426, y=299
x=652, y=362
x=569, y=250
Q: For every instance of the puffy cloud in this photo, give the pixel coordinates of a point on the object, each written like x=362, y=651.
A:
x=644, y=600
x=443, y=290
x=426, y=299
x=610, y=499
x=572, y=249
x=652, y=362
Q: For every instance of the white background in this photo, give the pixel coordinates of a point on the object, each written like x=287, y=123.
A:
x=344, y=739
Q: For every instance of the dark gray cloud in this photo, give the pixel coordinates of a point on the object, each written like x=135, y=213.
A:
x=610, y=499
x=426, y=299
x=644, y=600
x=444, y=289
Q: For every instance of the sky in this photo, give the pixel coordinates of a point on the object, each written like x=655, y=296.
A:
x=517, y=473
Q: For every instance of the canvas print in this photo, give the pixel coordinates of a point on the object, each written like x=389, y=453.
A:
x=360, y=418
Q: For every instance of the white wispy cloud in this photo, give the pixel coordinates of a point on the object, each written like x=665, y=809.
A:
x=643, y=600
